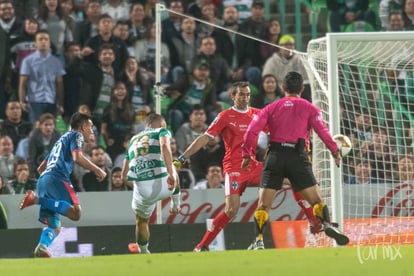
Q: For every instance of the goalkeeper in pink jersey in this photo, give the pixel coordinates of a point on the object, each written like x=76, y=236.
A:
x=232, y=125
x=290, y=121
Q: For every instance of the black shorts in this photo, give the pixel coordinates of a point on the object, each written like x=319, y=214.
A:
x=287, y=162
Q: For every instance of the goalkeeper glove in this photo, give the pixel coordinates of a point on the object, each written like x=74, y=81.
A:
x=181, y=160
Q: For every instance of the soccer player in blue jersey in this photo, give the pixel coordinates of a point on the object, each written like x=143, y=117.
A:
x=55, y=193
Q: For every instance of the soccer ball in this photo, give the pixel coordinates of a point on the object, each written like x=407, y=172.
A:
x=344, y=144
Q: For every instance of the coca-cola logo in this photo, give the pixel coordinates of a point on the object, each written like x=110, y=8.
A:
x=193, y=211
x=397, y=202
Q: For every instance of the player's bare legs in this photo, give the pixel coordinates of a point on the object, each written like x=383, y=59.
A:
x=219, y=222
x=74, y=212
x=142, y=234
x=321, y=211
x=47, y=237
x=261, y=215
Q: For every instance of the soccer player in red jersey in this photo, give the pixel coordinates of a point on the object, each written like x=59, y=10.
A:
x=290, y=121
x=232, y=124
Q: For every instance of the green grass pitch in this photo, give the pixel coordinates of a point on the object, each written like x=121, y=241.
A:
x=373, y=260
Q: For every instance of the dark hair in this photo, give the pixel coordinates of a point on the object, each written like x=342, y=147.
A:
x=237, y=85
x=70, y=44
x=41, y=31
x=44, y=12
x=19, y=161
x=47, y=116
x=197, y=107
x=78, y=119
x=293, y=82
x=116, y=169
x=104, y=16
x=106, y=46
x=127, y=113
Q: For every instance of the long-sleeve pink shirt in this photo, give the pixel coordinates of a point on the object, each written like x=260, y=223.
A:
x=288, y=120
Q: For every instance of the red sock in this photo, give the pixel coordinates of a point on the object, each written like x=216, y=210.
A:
x=306, y=207
x=218, y=223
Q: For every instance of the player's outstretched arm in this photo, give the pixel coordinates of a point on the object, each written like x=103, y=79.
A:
x=168, y=160
x=42, y=167
x=196, y=145
x=84, y=162
x=125, y=167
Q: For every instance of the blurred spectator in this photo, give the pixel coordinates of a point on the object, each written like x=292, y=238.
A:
x=6, y=157
x=248, y=50
x=145, y=53
x=21, y=181
x=208, y=14
x=138, y=22
x=381, y=155
x=20, y=47
x=69, y=12
x=194, y=8
x=409, y=15
x=386, y=7
x=189, y=131
x=395, y=22
x=41, y=142
x=284, y=61
x=242, y=7
x=88, y=28
x=405, y=169
x=171, y=26
x=72, y=80
x=137, y=86
x=195, y=88
x=149, y=9
x=213, y=179
x=89, y=180
x=117, y=9
x=212, y=152
x=117, y=120
x=230, y=19
x=185, y=175
x=269, y=91
x=26, y=8
x=347, y=118
x=121, y=30
x=363, y=127
x=9, y=22
x=91, y=50
x=79, y=171
x=183, y=49
x=58, y=25
x=219, y=69
x=116, y=182
x=97, y=82
x=14, y=126
x=119, y=159
x=4, y=190
x=363, y=173
x=10, y=27
x=41, y=80
x=345, y=12
x=271, y=35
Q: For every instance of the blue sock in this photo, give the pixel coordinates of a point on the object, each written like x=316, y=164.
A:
x=59, y=206
x=47, y=236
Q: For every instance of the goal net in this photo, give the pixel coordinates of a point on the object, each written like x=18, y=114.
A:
x=364, y=85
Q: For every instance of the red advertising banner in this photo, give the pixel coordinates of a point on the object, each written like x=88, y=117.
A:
x=362, y=232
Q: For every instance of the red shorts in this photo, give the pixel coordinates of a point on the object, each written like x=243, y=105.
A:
x=235, y=182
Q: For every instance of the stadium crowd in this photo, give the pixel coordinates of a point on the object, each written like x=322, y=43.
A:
x=98, y=57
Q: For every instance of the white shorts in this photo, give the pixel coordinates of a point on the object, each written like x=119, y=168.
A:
x=147, y=193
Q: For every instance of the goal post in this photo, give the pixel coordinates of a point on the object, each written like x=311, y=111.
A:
x=364, y=85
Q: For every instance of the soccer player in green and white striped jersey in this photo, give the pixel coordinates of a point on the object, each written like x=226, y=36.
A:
x=148, y=164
